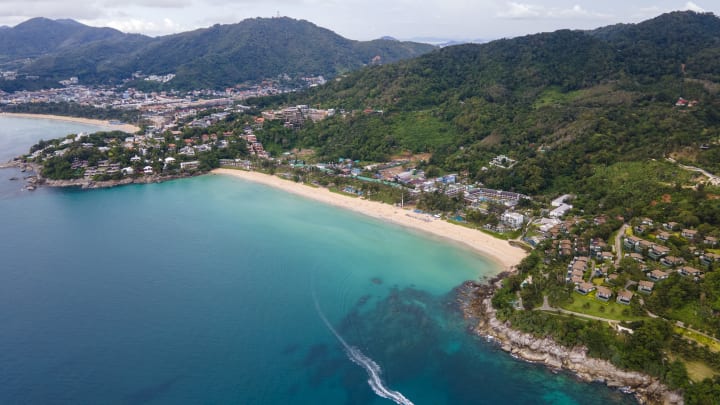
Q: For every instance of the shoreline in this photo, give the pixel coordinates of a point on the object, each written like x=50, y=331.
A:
x=499, y=251
x=122, y=127
x=475, y=301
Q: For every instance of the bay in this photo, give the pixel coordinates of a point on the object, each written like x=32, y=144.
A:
x=214, y=290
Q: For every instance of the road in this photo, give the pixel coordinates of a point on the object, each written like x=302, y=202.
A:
x=714, y=180
x=618, y=244
x=546, y=307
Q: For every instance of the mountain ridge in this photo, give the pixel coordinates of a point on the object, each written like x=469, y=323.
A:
x=213, y=57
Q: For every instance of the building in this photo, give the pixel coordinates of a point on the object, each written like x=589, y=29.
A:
x=585, y=288
x=624, y=297
x=514, y=220
x=657, y=275
x=603, y=293
x=645, y=286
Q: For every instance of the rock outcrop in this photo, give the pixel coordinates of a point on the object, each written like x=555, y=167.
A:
x=646, y=389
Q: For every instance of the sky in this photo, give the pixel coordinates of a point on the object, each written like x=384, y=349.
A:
x=357, y=19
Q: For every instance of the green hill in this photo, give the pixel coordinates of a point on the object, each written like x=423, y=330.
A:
x=560, y=103
x=222, y=55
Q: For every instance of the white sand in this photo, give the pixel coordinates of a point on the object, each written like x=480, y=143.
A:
x=131, y=129
x=500, y=251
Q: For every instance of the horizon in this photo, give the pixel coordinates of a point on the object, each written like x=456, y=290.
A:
x=451, y=21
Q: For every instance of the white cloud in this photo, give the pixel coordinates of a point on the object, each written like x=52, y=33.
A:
x=693, y=7
x=531, y=11
x=142, y=26
x=519, y=10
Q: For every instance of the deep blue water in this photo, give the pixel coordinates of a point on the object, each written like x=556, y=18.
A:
x=213, y=290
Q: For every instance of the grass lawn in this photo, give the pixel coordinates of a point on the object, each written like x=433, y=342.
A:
x=703, y=340
x=698, y=371
x=589, y=305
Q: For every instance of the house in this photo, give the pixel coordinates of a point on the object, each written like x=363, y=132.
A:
x=663, y=236
x=585, y=288
x=189, y=165
x=605, y=256
x=688, y=233
x=657, y=275
x=709, y=258
x=637, y=257
x=656, y=252
x=643, y=246
x=128, y=171
x=148, y=170
x=630, y=242
x=690, y=271
x=710, y=241
x=671, y=226
x=645, y=286
x=612, y=278
x=624, y=297
x=672, y=261
x=603, y=293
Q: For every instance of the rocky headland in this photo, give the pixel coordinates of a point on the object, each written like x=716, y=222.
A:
x=475, y=301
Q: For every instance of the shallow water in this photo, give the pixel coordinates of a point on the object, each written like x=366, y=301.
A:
x=204, y=291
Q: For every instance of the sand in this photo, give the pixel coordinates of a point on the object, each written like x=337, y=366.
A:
x=497, y=250
x=131, y=129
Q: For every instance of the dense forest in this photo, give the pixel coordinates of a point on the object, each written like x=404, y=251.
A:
x=216, y=57
x=563, y=104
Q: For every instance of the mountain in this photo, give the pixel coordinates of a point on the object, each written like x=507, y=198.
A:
x=560, y=103
x=40, y=36
x=214, y=57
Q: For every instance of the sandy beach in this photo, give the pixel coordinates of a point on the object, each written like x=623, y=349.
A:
x=499, y=251
x=123, y=127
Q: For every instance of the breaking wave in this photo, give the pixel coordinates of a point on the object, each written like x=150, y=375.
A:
x=358, y=357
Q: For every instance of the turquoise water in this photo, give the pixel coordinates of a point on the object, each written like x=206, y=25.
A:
x=214, y=290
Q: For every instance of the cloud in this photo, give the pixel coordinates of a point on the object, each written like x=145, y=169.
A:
x=159, y=4
x=530, y=11
x=519, y=11
x=694, y=7
x=135, y=25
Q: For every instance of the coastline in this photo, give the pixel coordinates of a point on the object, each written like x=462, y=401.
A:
x=123, y=127
x=475, y=301
x=499, y=251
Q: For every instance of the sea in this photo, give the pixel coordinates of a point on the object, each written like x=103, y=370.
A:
x=214, y=290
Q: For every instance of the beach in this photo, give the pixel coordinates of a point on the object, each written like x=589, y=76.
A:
x=121, y=127
x=500, y=251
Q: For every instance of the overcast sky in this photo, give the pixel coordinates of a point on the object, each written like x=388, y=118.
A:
x=356, y=19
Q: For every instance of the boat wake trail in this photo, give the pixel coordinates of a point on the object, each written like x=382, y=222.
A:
x=373, y=369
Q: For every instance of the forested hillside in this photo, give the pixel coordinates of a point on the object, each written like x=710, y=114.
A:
x=560, y=103
x=214, y=57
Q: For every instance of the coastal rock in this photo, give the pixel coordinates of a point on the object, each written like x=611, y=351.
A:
x=546, y=351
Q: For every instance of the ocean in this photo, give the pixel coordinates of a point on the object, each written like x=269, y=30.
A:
x=215, y=290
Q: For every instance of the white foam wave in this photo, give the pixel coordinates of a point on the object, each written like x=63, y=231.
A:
x=373, y=369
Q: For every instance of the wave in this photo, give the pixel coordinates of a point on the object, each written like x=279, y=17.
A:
x=371, y=367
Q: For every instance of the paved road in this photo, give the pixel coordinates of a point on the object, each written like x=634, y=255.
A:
x=714, y=180
x=618, y=244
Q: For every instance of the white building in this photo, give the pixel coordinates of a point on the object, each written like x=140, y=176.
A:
x=512, y=219
x=560, y=211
